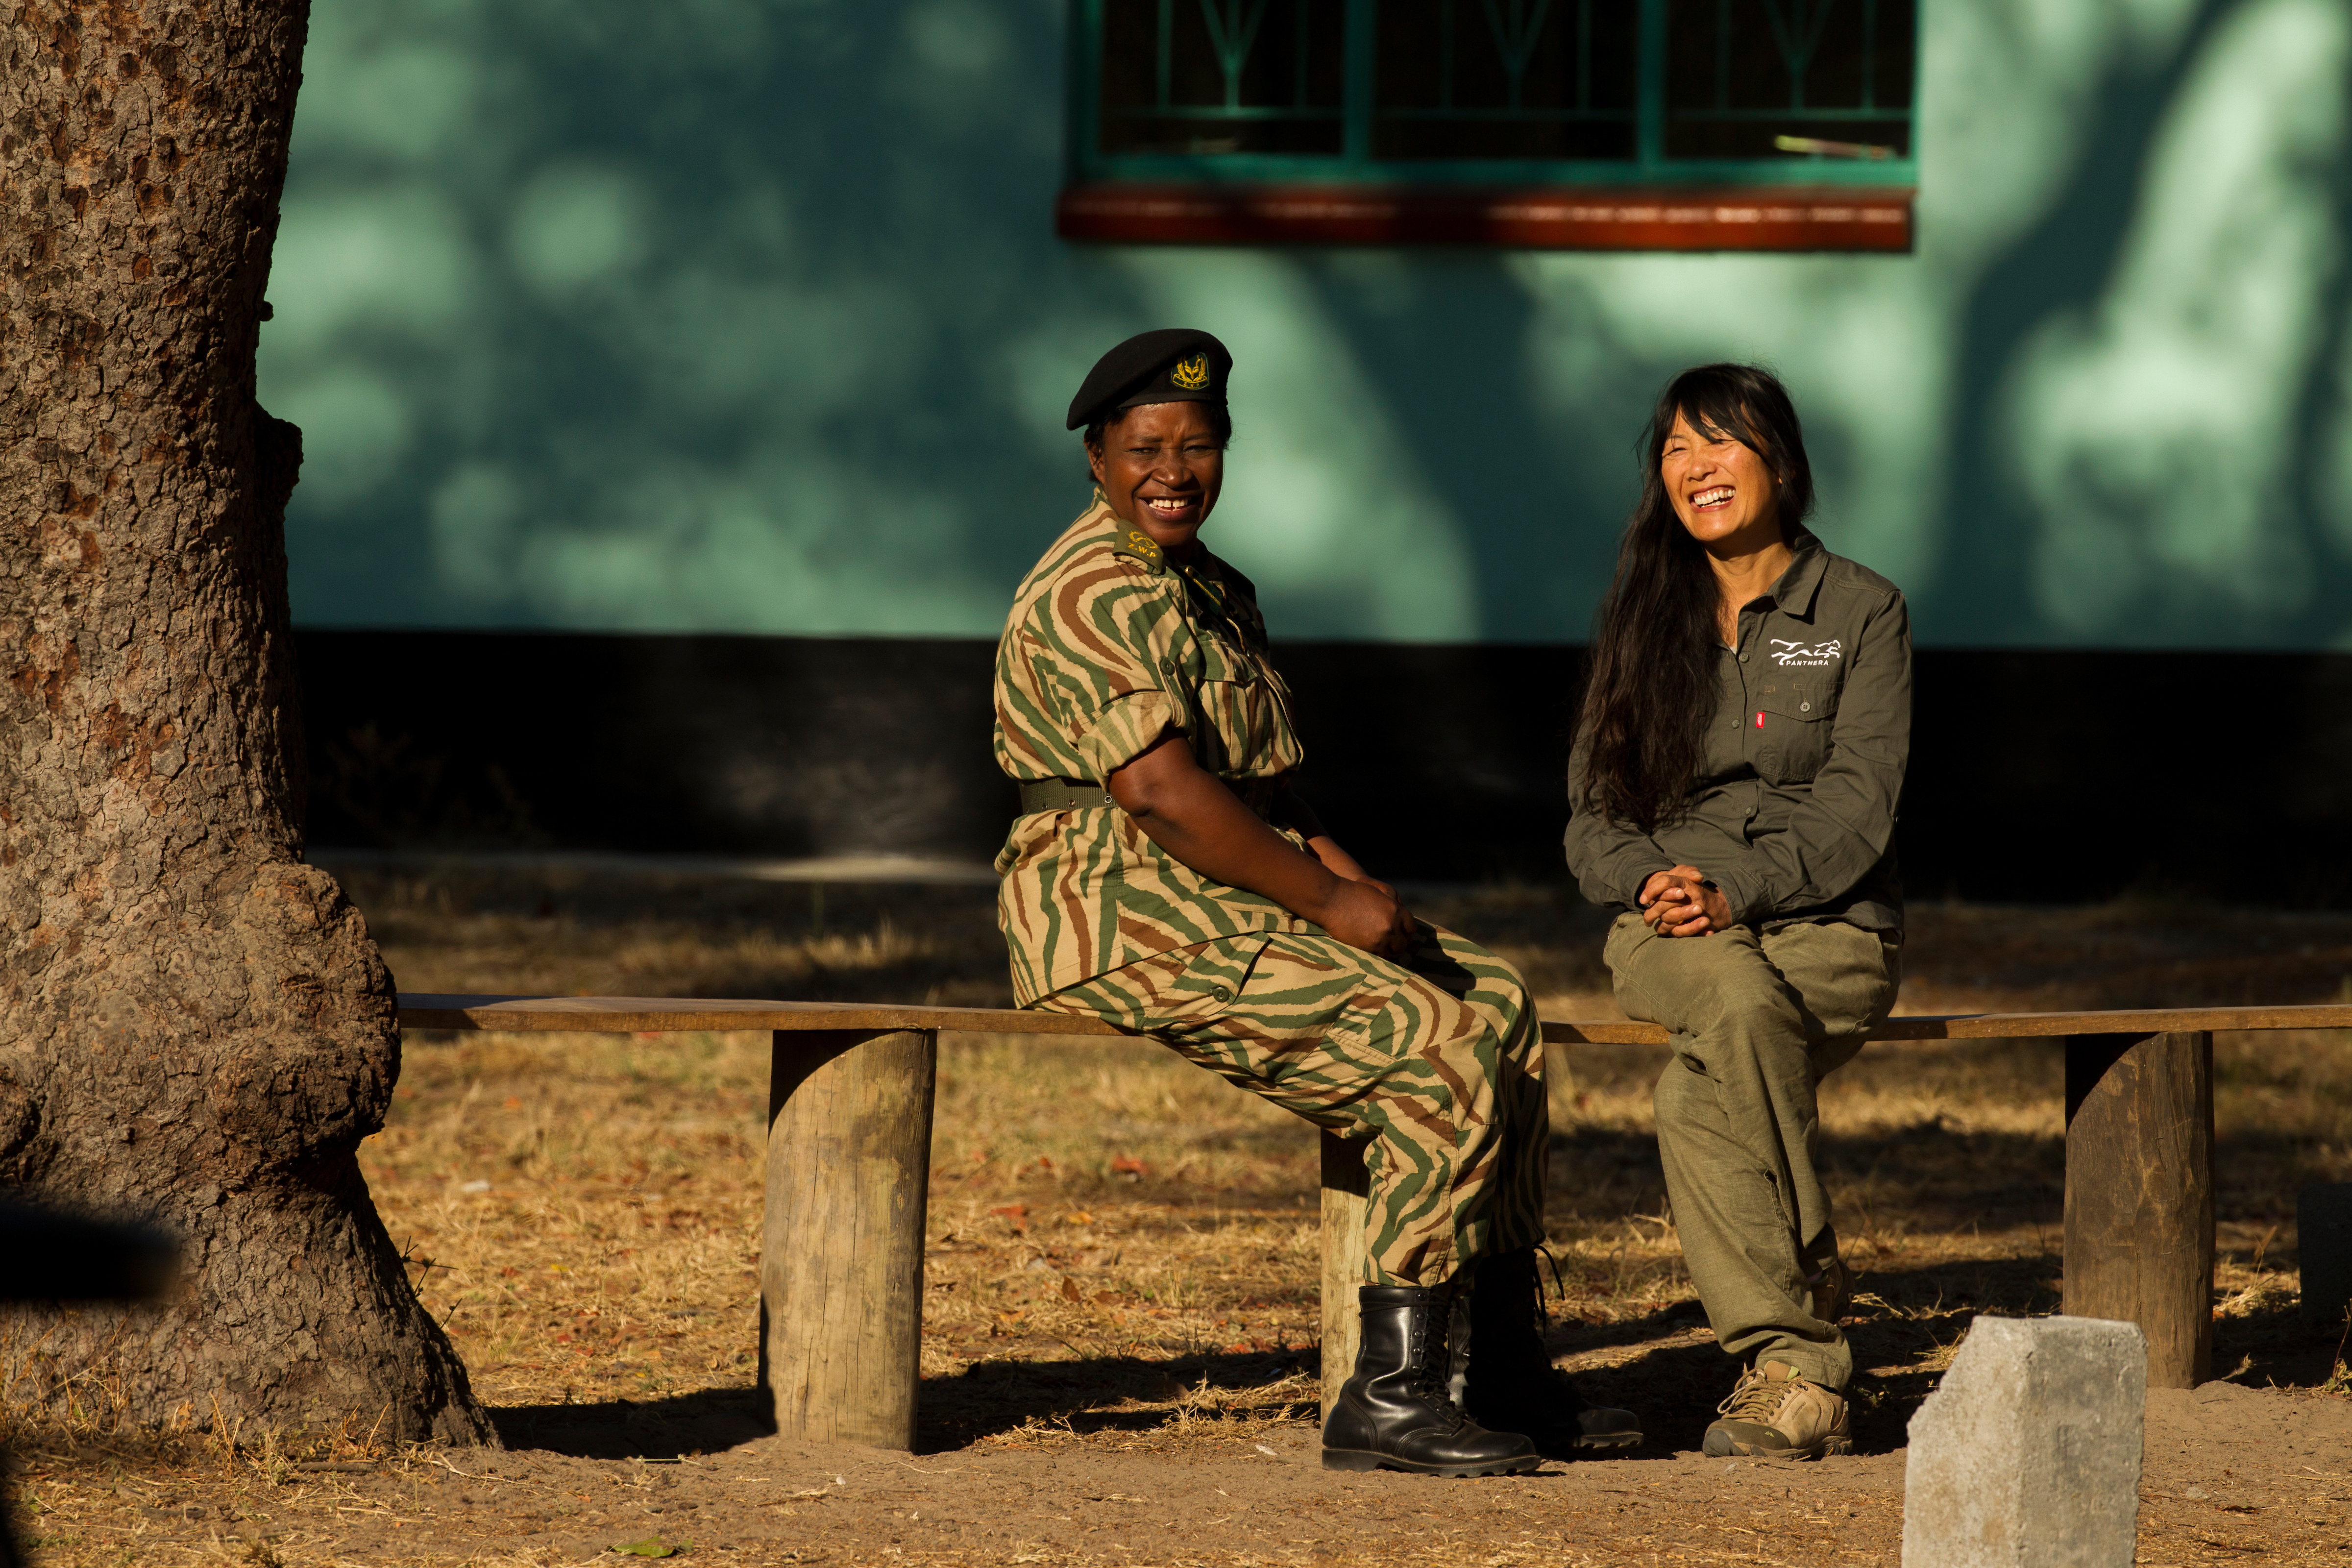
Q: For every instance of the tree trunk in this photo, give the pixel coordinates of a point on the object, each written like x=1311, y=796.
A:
x=194, y=1025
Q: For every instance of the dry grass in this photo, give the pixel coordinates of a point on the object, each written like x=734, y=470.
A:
x=1123, y=1250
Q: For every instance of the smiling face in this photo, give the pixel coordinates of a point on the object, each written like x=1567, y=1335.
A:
x=1721, y=488
x=1160, y=467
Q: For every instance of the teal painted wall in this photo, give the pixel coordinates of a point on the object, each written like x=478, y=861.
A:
x=746, y=316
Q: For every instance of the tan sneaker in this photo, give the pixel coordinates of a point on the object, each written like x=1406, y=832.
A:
x=1776, y=1413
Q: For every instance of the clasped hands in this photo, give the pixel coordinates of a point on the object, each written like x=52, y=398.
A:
x=1681, y=902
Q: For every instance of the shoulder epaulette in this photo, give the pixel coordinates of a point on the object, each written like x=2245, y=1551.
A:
x=1138, y=546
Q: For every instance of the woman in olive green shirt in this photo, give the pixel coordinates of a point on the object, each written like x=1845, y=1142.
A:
x=1733, y=788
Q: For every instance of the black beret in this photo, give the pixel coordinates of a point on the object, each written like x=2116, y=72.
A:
x=1172, y=364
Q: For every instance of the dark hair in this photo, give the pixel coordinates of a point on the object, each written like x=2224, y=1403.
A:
x=1221, y=425
x=1649, y=691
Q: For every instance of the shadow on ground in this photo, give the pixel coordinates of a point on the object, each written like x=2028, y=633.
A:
x=1674, y=1381
x=1119, y=1393
x=704, y=1422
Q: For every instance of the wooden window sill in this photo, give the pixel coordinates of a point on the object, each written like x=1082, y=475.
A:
x=1784, y=218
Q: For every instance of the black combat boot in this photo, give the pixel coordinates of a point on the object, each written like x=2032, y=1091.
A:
x=1513, y=1385
x=1398, y=1411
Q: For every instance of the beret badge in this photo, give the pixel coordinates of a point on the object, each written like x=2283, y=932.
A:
x=1191, y=374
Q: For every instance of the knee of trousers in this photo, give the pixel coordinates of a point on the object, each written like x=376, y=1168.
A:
x=1749, y=994
x=1737, y=1024
x=1702, y=988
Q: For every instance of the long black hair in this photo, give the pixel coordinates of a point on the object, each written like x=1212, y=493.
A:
x=1650, y=690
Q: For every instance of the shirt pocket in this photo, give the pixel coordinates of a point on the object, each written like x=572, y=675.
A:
x=1792, y=727
x=1241, y=713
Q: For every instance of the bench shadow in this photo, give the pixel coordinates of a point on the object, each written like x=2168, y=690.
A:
x=990, y=1398
x=1678, y=1374
x=703, y=1422
x=2273, y=1345
x=1118, y=1393
x=1673, y=1379
x=1898, y=1342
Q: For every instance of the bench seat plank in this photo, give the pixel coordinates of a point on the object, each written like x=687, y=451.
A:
x=635, y=1014
x=2015, y=1026
x=641, y=1014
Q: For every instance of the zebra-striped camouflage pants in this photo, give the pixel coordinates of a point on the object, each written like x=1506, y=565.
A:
x=1438, y=1059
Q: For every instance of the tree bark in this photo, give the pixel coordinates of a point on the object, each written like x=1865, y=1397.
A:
x=195, y=1025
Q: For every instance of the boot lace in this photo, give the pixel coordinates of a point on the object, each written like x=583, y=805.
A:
x=1559, y=1285
x=1433, y=1358
x=1540, y=1318
x=1754, y=1398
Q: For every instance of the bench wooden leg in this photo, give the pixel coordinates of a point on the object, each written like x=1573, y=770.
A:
x=2139, y=1193
x=1345, y=1187
x=841, y=1256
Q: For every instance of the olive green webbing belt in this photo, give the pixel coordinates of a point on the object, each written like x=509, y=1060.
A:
x=1060, y=794
x=1076, y=794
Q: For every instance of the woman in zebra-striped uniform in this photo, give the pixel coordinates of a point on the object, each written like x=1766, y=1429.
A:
x=1165, y=875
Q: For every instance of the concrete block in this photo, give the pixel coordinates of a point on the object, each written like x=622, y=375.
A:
x=2027, y=1456
x=2323, y=1224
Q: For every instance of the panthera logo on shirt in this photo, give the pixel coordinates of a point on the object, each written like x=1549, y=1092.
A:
x=1191, y=374
x=1807, y=655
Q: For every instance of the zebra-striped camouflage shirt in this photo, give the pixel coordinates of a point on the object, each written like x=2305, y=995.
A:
x=1108, y=646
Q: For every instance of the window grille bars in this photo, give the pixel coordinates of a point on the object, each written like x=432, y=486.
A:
x=1339, y=40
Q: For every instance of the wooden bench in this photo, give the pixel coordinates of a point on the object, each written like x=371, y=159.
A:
x=849, y=1139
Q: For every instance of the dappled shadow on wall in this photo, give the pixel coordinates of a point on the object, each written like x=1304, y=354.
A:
x=740, y=318
x=602, y=317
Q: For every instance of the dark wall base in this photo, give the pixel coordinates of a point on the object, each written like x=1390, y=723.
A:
x=2036, y=777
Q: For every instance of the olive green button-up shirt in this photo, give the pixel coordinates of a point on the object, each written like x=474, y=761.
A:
x=1793, y=814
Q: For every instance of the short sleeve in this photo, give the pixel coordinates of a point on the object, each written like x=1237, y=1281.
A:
x=1106, y=646
x=1125, y=731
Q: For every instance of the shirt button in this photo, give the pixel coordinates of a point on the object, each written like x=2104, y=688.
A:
x=1221, y=993
x=1804, y=707
x=1168, y=666
x=1743, y=658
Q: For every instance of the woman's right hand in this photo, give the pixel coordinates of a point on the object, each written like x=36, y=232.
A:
x=1675, y=902
x=1369, y=916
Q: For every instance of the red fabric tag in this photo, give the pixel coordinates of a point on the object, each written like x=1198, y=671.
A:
x=1760, y=720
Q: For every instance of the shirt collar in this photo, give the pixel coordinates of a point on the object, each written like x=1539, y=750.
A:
x=1794, y=593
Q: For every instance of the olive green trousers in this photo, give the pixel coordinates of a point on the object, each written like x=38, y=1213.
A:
x=1758, y=1020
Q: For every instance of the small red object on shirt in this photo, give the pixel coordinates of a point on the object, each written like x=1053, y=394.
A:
x=1760, y=720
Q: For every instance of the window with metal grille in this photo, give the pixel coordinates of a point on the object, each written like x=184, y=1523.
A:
x=1201, y=98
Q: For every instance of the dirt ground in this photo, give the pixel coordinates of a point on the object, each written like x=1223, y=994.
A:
x=1119, y=1353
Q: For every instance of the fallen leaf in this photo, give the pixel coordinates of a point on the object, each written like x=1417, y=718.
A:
x=1070, y=1290
x=651, y=1546
x=1127, y=1165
